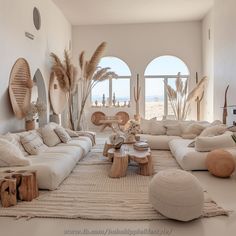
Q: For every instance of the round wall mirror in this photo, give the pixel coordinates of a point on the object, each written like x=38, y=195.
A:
x=36, y=18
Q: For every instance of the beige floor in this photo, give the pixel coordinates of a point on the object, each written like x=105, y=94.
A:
x=222, y=190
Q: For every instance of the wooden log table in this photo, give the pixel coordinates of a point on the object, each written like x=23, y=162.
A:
x=20, y=185
x=122, y=156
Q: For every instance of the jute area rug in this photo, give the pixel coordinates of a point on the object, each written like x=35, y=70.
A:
x=88, y=193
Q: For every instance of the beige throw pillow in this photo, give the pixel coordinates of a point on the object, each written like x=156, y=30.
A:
x=72, y=133
x=191, y=131
x=213, y=131
x=145, y=125
x=11, y=155
x=62, y=134
x=33, y=144
x=157, y=128
x=49, y=136
x=173, y=130
x=192, y=144
x=15, y=139
x=207, y=144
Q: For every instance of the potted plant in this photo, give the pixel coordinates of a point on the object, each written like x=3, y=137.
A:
x=36, y=110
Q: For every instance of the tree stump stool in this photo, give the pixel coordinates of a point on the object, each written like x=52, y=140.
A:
x=8, y=192
x=20, y=185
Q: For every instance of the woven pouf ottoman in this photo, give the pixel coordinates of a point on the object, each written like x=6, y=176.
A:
x=220, y=163
x=176, y=194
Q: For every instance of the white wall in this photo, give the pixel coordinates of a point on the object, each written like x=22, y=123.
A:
x=54, y=35
x=224, y=55
x=222, y=48
x=138, y=44
x=208, y=65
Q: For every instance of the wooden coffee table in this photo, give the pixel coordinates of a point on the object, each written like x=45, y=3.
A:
x=121, y=158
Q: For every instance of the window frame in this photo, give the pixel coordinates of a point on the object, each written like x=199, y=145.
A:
x=164, y=78
x=110, y=91
x=111, y=84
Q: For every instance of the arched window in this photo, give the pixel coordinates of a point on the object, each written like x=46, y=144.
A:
x=164, y=68
x=116, y=91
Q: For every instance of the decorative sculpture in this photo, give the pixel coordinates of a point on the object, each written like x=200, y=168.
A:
x=137, y=92
x=198, y=100
x=20, y=87
x=225, y=112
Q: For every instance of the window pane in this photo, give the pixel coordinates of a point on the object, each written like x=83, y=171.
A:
x=166, y=65
x=116, y=65
x=154, y=98
x=171, y=82
x=98, y=91
x=121, y=90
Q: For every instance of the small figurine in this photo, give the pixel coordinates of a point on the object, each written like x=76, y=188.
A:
x=103, y=100
x=125, y=104
x=118, y=104
x=96, y=103
x=114, y=100
x=129, y=104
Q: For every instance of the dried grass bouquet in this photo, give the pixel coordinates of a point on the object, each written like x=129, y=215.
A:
x=36, y=110
x=132, y=128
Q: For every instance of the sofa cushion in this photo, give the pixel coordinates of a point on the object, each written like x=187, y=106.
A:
x=84, y=142
x=49, y=136
x=188, y=158
x=191, y=131
x=145, y=125
x=206, y=144
x=11, y=155
x=213, y=130
x=33, y=143
x=157, y=128
x=62, y=134
x=173, y=129
x=158, y=142
x=72, y=133
x=15, y=139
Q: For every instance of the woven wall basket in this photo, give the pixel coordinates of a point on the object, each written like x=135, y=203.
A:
x=20, y=87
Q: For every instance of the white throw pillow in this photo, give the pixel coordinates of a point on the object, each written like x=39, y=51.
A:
x=207, y=144
x=15, y=139
x=49, y=136
x=33, y=143
x=62, y=134
x=11, y=155
x=173, y=129
x=145, y=125
x=213, y=131
x=157, y=128
x=72, y=133
x=191, y=131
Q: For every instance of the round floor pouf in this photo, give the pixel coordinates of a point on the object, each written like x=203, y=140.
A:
x=220, y=163
x=177, y=194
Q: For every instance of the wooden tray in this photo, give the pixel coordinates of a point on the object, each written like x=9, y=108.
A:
x=97, y=117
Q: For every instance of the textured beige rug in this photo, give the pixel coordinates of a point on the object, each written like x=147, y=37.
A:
x=89, y=193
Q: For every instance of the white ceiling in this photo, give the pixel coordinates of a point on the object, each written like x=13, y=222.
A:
x=93, y=12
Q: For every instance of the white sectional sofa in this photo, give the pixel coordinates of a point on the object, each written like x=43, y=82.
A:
x=187, y=157
x=55, y=163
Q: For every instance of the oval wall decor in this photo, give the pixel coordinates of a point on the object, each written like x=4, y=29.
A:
x=58, y=97
x=20, y=86
x=37, y=18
